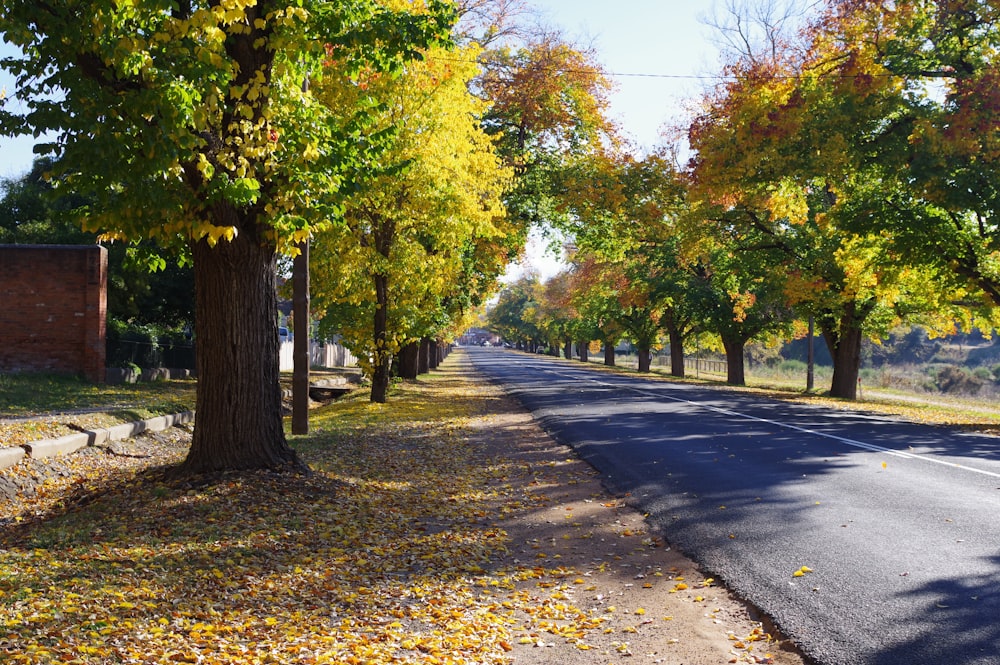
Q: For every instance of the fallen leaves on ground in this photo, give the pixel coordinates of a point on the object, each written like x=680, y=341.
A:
x=394, y=551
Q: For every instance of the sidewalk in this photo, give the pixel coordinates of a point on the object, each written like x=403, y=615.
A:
x=444, y=527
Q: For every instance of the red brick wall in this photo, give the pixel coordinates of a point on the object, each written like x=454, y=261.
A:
x=53, y=309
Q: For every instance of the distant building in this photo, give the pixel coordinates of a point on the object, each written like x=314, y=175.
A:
x=479, y=337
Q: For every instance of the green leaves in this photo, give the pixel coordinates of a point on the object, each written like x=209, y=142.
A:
x=238, y=191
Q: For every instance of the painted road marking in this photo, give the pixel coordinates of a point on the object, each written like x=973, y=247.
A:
x=805, y=430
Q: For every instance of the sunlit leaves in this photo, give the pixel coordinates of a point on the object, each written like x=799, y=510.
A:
x=424, y=214
x=393, y=551
x=166, y=112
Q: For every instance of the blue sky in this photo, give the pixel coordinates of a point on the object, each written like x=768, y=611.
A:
x=663, y=40
x=663, y=44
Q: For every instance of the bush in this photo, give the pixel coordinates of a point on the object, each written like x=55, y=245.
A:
x=983, y=374
x=951, y=379
x=147, y=346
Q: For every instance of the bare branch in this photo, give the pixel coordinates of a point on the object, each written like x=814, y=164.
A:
x=758, y=32
x=489, y=21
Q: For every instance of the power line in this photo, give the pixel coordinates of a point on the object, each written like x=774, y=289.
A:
x=702, y=77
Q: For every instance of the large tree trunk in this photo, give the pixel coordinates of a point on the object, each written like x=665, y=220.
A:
x=409, y=360
x=239, y=422
x=382, y=362
x=609, y=353
x=735, y=366
x=846, y=352
x=676, y=352
x=434, y=357
x=583, y=348
x=425, y=356
x=645, y=358
x=568, y=350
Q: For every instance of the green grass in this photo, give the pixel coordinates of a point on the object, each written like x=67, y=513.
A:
x=26, y=394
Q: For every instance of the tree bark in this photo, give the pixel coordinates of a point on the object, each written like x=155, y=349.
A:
x=846, y=352
x=239, y=422
x=735, y=365
x=584, y=350
x=433, y=356
x=424, y=363
x=382, y=361
x=609, y=353
x=409, y=360
x=676, y=352
x=645, y=358
x=568, y=350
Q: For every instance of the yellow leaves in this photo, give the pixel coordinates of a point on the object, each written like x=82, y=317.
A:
x=213, y=234
x=802, y=571
x=787, y=201
x=383, y=555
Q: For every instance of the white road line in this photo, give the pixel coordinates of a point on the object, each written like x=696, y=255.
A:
x=805, y=430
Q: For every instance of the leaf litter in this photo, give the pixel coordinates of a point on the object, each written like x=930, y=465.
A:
x=444, y=527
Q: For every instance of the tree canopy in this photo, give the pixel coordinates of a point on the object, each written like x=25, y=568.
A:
x=191, y=123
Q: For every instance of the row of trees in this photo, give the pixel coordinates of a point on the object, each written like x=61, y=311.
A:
x=844, y=173
x=411, y=151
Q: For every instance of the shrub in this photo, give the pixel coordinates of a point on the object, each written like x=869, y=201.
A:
x=951, y=379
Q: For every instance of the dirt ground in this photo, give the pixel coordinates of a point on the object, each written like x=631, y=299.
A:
x=655, y=605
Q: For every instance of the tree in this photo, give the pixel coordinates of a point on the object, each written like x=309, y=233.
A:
x=739, y=296
x=414, y=221
x=548, y=105
x=513, y=317
x=790, y=157
x=188, y=122
x=944, y=141
x=556, y=313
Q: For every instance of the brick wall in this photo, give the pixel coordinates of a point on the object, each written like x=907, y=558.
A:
x=53, y=309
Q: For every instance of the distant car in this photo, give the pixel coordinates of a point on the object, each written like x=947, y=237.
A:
x=284, y=335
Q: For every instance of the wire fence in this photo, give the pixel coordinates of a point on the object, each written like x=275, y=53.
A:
x=150, y=355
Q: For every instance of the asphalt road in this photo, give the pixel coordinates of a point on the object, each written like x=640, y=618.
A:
x=899, y=523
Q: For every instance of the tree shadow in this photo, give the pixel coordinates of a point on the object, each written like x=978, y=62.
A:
x=733, y=482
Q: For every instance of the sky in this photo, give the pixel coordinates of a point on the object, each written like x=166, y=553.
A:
x=660, y=54
x=657, y=51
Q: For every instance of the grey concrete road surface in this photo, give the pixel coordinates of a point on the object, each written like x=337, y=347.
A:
x=869, y=540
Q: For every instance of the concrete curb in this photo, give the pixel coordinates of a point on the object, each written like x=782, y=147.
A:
x=11, y=456
x=72, y=442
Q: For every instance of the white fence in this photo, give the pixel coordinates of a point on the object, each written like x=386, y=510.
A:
x=320, y=355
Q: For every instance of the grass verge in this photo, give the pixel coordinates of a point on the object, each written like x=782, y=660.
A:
x=39, y=406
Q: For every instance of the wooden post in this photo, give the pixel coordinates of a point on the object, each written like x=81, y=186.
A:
x=300, y=354
x=810, y=357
